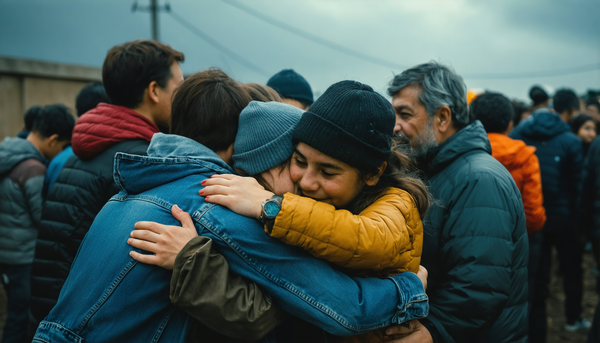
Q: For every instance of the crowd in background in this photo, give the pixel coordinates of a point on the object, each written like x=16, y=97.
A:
x=507, y=183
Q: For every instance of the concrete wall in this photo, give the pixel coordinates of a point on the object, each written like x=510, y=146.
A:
x=25, y=83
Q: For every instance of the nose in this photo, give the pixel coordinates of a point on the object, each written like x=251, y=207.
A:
x=398, y=126
x=308, y=182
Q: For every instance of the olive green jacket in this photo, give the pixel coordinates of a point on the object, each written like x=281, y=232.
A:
x=203, y=286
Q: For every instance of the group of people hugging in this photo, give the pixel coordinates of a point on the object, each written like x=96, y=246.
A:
x=255, y=220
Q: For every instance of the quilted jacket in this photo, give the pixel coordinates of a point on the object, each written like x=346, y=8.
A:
x=385, y=238
x=475, y=244
x=21, y=181
x=82, y=188
x=560, y=153
x=522, y=163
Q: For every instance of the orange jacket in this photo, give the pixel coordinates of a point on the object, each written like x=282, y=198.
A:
x=386, y=238
x=523, y=165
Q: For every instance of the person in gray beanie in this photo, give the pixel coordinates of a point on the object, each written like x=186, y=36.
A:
x=264, y=137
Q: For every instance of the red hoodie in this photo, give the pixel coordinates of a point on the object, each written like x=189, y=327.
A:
x=107, y=125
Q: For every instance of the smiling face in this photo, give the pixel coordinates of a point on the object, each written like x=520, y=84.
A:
x=587, y=132
x=324, y=178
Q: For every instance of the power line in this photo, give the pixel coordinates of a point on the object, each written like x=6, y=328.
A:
x=218, y=45
x=534, y=74
x=314, y=38
x=332, y=45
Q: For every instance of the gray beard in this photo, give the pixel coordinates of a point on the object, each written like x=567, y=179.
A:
x=422, y=143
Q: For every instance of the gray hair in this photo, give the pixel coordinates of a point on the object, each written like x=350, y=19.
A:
x=440, y=86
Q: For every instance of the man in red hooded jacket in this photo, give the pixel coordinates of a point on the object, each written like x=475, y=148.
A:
x=139, y=78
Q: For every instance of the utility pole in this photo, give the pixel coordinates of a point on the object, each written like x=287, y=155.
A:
x=154, y=9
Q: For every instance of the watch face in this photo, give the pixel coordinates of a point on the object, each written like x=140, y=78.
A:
x=271, y=209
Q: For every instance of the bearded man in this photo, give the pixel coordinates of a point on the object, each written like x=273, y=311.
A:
x=475, y=243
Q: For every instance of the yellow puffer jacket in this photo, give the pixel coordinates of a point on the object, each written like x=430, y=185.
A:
x=386, y=238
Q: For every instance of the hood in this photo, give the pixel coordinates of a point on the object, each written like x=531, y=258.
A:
x=510, y=152
x=14, y=150
x=470, y=138
x=107, y=125
x=170, y=157
x=542, y=124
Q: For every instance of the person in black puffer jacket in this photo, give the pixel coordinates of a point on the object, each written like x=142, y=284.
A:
x=589, y=207
x=560, y=153
x=475, y=241
x=133, y=74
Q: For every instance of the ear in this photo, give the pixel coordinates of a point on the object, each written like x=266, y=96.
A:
x=372, y=180
x=153, y=89
x=443, y=119
x=52, y=140
x=510, y=127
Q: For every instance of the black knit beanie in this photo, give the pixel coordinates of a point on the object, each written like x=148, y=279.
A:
x=352, y=123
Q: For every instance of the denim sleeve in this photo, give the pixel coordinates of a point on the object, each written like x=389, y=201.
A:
x=310, y=288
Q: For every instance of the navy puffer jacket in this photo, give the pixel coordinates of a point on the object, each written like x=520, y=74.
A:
x=475, y=244
x=560, y=153
x=590, y=192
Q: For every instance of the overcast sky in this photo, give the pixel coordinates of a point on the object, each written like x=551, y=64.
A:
x=474, y=37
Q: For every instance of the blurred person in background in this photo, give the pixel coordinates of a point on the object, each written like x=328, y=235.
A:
x=21, y=180
x=495, y=112
x=88, y=98
x=560, y=153
x=139, y=78
x=584, y=127
x=539, y=98
x=475, y=237
x=293, y=88
x=592, y=109
x=29, y=119
x=521, y=110
x=589, y=206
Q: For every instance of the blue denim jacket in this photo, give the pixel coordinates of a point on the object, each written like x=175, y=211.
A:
x=108, y=296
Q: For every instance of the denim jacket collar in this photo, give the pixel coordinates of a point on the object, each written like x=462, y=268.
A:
x=170, y=157
x=173, y=146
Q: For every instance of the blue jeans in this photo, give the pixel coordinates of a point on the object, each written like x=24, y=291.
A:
x=17, y=293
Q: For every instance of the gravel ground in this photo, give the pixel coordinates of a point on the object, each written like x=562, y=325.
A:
x=556, y=318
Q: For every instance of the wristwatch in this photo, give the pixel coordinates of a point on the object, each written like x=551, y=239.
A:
x=270, y=208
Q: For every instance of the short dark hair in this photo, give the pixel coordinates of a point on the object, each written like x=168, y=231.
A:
x=565, y=100
x=30, y=115
x=519, y=107
x=538, y=95
x=129, y=68
x=89, y=97
x=594, y=103
x=494, y=110
x=206, y=108
x=55, y=119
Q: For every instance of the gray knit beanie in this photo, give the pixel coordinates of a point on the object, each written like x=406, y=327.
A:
x=264, y=138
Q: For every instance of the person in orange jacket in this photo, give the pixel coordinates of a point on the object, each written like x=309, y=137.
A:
x=495, y=112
